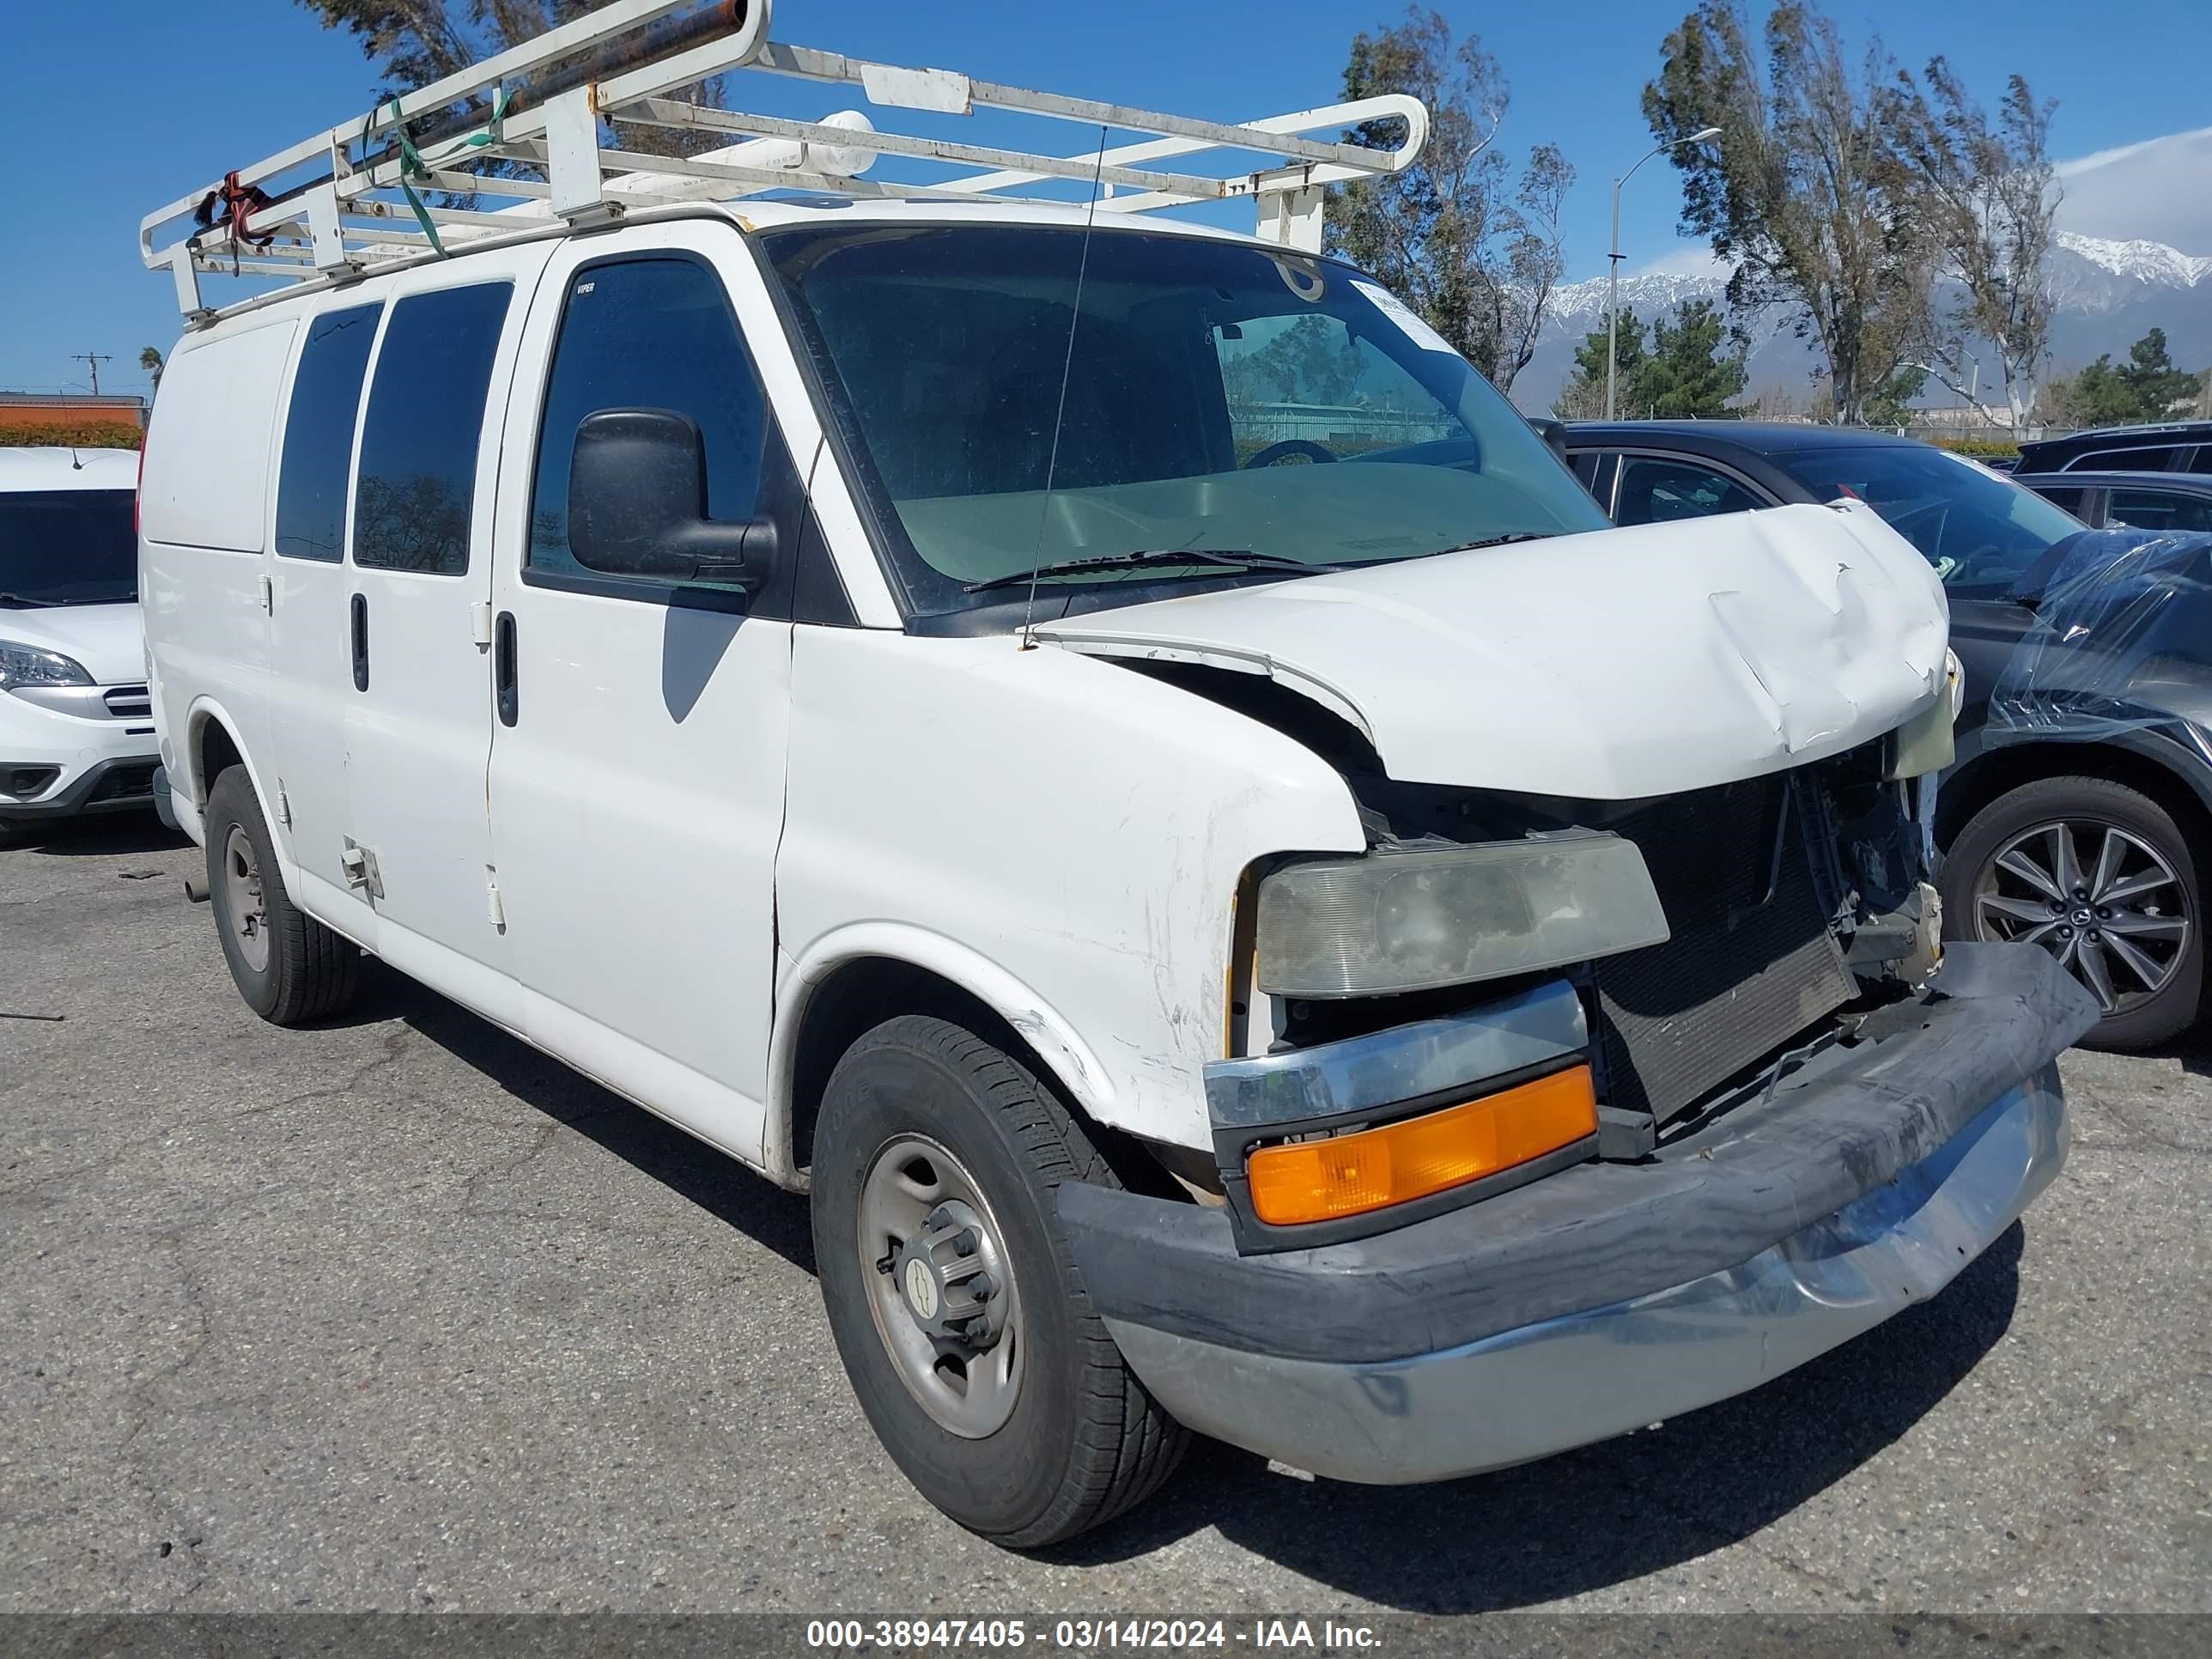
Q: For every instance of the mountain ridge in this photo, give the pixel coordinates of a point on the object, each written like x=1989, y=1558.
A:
x=2107, y=292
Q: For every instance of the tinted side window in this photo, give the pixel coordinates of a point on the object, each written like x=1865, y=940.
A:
x=648, y=333
x=311, y=485
x=418, y=445
x=1653, y=491
x=2069, y=499
x=2158, y=460
x=2154, y=509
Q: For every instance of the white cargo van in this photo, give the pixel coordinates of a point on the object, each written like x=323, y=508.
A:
x=76, y=734
x=1102, y=752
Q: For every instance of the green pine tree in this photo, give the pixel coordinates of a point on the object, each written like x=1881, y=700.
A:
x=2144, y=388
x=1583, y=398
x=1690, y=374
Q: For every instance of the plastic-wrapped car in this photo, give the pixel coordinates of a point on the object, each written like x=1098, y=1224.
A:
x=2078, y=814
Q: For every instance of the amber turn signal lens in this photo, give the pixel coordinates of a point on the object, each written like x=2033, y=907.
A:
x=1350, y=1175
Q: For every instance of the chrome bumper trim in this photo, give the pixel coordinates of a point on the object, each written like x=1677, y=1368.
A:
x=1403, y=1063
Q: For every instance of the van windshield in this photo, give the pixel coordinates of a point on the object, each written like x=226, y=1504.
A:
x=1219, y=397
x=67, y=547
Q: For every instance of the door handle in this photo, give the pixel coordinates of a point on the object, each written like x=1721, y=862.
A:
x=503, y=667
x=361, y=642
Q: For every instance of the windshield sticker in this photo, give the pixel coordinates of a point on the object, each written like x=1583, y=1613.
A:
x=1409, y=321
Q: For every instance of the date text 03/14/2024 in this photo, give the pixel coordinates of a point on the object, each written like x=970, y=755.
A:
x=1084, y=1635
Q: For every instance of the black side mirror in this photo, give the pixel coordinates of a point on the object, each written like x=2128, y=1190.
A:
x=1554, y=433
x=637, y=504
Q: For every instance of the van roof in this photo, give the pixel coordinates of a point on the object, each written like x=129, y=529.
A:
x=59, y=467
x=350, y=200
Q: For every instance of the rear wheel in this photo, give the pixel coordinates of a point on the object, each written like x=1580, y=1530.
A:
x=955, y=1301
x=2101, y=876
x=288, y=967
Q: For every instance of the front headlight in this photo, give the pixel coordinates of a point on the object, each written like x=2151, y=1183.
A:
x=1927, y=742
x=1396, y=921
x=31, y=665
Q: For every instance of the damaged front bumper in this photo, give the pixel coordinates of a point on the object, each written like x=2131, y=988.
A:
x=1606, y=1297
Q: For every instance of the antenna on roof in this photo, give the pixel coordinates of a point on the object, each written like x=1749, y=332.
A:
x=1060, y=411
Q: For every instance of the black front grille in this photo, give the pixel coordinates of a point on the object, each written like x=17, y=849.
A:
x=1751, y=962
x=129, y=702
x=131, y=783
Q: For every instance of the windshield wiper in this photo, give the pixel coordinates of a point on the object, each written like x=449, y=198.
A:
x=1499, y=541
x=23, y=601
x=1212, y=558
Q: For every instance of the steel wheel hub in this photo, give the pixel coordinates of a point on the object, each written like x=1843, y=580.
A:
x=942, y=1290
x=245, y=910
x=2102, y=900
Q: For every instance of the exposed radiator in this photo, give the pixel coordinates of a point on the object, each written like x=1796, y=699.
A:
x=1751, y=962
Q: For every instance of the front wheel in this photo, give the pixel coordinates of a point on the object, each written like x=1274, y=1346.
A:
x=288, y=967
x=954, y=1299
x=2101, y=876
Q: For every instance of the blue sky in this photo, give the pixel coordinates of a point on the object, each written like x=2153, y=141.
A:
x=109, y=108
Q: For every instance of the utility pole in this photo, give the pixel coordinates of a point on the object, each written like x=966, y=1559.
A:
x=95, y=359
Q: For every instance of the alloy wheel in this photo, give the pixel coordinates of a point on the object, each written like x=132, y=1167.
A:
x=2105, y=902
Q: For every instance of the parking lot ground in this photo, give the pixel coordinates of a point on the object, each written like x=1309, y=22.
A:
x=398, y=1314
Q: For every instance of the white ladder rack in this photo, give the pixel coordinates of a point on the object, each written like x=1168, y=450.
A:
x=340, y=203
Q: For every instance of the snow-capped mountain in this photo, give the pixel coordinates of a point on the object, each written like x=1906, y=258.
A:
x=2108, y=293
x=2152, y=263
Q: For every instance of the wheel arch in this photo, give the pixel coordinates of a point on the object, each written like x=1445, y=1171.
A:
x=854, y=979
x=2150, y=764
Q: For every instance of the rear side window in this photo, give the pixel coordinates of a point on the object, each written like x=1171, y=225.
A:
x=311, y=485
x=2155, y=509
x=1654, y=491
x=647, y=333
x=418, y=444
x=2159, y=458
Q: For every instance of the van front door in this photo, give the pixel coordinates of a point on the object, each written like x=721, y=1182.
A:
x=637, y=768
x=417, y=633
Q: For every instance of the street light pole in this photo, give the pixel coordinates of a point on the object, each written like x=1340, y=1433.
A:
x=1613, y=277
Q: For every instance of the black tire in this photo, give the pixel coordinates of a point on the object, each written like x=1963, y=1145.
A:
x=1084, y=1440
x=310, y=972
x=2093, y=803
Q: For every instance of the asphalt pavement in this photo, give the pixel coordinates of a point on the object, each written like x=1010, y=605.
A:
x=398, y=1314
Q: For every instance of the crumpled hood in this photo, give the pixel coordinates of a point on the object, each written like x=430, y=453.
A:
x=109, y=640
x=1609, y=665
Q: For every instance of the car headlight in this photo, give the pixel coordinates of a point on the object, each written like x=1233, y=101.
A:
x=31, y=665
x=1927, y=742
x=1396, y=921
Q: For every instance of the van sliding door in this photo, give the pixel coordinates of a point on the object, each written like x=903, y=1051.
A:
x=416, y=638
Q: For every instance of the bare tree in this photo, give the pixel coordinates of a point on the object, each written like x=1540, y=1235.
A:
x=1992, y=194
x=1805, y=191
x=1476, y=254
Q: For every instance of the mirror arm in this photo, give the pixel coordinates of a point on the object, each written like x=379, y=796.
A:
x=742, y=554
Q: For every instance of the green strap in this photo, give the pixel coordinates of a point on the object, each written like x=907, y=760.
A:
x=413, y=167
